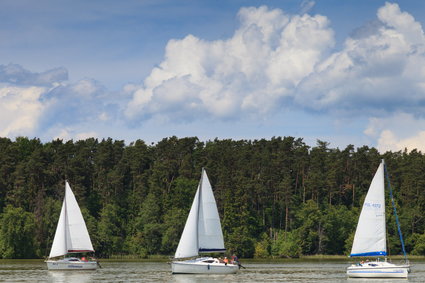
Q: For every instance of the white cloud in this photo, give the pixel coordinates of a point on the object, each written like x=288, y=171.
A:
x=388, y=141
x=85, y=100
x=247, y=74
x=20, y=110
x=379, y=70
x=397, y=132
x=40, y=103
x=402, y=22
x=23, y=98
x=275, y=60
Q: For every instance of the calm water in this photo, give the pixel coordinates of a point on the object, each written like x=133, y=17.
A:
x=286, y=271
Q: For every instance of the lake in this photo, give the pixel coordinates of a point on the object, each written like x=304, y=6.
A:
x=119, y=271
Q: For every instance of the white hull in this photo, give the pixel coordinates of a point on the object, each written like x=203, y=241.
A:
x=199, y=266
x=378, y=269
x=65, y=264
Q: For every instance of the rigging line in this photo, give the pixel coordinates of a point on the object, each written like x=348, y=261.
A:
x=395, y=213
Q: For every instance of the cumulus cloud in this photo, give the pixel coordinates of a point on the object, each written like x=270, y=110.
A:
x=77, y=110
x=379, y=74
x=22, y=102
x=381, y=68
x=389, y=141
x=20, y=109
x=16, y=74
x=398, y=131
x=250, y=73
x=275, y=60
x=73, y=103
x=36, y=103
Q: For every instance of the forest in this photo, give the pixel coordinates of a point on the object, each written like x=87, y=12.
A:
x=276, y=198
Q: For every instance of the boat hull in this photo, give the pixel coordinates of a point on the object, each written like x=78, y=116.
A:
x=65, y=264
x=378, y=270
x=198, y=266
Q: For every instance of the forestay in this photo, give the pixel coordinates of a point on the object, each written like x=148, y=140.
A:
x=370, y=237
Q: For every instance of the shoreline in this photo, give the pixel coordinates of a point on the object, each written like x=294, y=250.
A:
x=248, y=260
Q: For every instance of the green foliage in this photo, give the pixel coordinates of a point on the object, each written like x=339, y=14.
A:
x=288, y=244
x=240, y=227
x=109, y=231
x=16, y=233
x=240, y=242
x=349, y=243
x=277, y=197
x=147, y=234
x=419, y=244
x=339, y=222
x=174, y=221
x=46, y=225
x=263, y=247
x=311, y=230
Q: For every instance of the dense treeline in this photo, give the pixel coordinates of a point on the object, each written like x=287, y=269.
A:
x=276, y=197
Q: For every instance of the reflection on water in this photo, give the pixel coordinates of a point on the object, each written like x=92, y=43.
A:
x=285, y=271
x=70, y=276
x=197, y=278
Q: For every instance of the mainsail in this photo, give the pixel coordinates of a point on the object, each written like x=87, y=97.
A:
x=202, y=232
x=71, y=233
x=370, y=237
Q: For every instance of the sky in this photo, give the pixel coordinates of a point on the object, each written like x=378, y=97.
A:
x=344, y=72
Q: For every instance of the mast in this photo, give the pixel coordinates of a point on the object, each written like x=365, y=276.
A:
x=66, y=221
x=199, y=207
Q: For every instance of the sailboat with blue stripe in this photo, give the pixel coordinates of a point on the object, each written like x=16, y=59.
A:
x=370, y=237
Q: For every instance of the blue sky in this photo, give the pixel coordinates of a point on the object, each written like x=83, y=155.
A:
x=346, y=72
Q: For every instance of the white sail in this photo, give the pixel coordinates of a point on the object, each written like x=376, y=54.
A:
x=202, y=231
x=370, y=237
x=71, y=233
x=210, y=235
x=188, y=245
x=59, y=242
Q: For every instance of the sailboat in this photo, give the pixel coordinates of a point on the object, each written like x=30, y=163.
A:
x=71, y=237
x=202, y=234
x=370, y=236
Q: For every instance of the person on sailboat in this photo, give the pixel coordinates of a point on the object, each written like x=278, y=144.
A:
x=226, y=261
x=234, y=259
